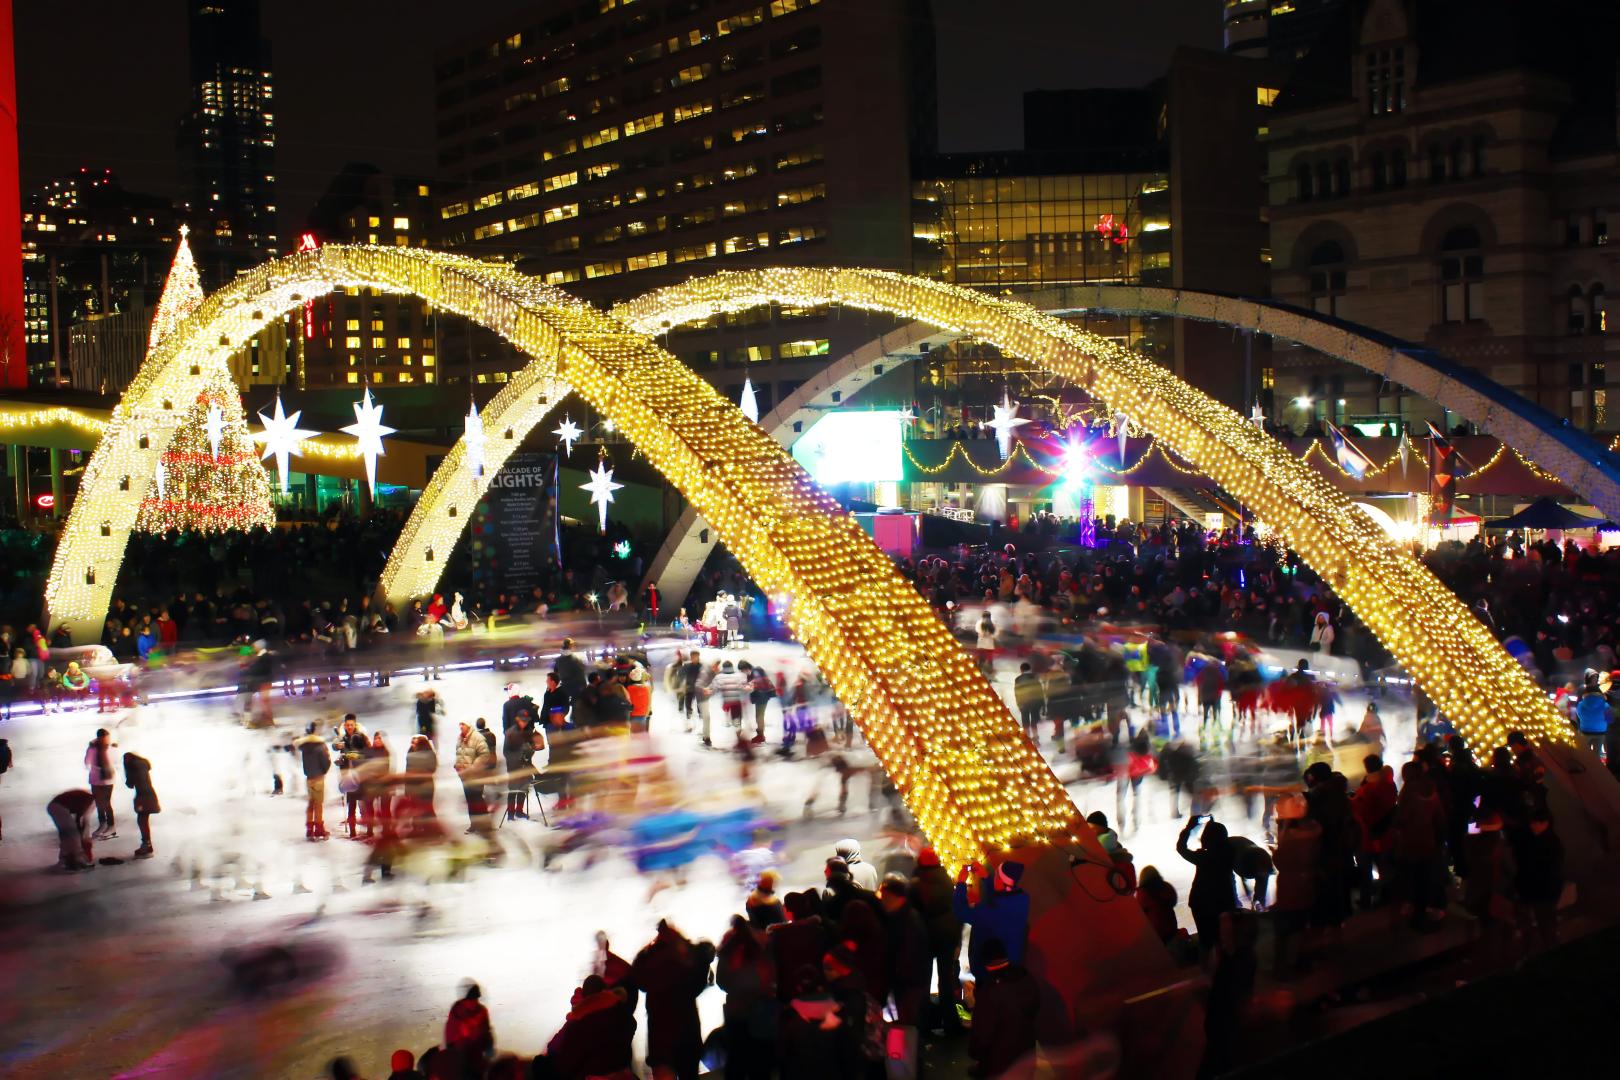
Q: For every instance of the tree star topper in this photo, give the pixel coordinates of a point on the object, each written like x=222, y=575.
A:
x=601, y=488
x=475, y=439
x=1006, y=419
x=569, y=433
x=281, y=436
x=368, y=430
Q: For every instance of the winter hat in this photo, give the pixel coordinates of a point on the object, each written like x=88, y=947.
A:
x=849, y=850
x=1008, y=875
x=402, y=1061
x=927, y=857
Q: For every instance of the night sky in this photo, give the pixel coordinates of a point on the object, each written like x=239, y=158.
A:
x=103, y=83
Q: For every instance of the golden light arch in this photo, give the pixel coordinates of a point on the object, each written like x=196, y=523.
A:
x=940, y=731
x=1453, y=657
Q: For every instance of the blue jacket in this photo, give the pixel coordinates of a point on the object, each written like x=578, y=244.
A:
x=1003, y=916
x=1592, y=713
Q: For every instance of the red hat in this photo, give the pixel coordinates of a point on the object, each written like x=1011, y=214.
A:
x=402, y=1061
x=927, y=857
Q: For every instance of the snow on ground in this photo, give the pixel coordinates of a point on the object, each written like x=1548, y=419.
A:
x=119, y=971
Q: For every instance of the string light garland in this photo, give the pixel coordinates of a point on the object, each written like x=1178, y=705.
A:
x=1478, y=686
x=948, y=742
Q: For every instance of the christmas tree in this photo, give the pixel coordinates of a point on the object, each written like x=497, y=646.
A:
x=210, y=478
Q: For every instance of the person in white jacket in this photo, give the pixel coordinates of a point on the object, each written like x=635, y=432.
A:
x=861, y=872
x=731, y=686
x=1322, y=634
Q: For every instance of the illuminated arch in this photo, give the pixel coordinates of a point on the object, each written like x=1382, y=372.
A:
x=1431, y=633
x=944, y=737
x=1580, y=462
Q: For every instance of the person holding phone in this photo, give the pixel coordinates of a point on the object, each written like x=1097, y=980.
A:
x=1214, y=889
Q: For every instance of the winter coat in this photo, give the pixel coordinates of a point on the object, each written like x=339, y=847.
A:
x=98, y=761
x=1001, y=916
x=1158, y=903
x=910, y=955
x=515, y=707
x=138, y=777
x=467, y=1028
x=1007, y=1002
x=795, y=945
x=595, y=1038
x=932, y=895
x=1420, y=824
x=672, y=972
x=1298, y=861
x=314, y=756
x=1592, y=713
x=1373, y=805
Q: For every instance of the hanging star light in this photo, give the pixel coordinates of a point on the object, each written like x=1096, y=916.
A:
x=281, y=437
x=569, y=433
x=368, y=430
x=1005, y=421
x=601, y=488
x=162, y=477
x=474, y=438
x=748, y=403
x=215, y=426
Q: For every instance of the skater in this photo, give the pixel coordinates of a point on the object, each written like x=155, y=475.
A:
x=70, y=811
x=138, y=777
x=98, y=762
x=428, y=710
x=351, y=745
x=518, y=752
x=474, y=762
x=317, y=762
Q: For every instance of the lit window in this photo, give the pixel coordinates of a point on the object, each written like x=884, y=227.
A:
x=555, y=86
x=484, y=202
x=453, y=210
x=800, y=195
x=693, y=110
x=648, y=261
x=373, y=221
x=527, y=221
x=562, y=277
x=597, y=172
x=422, y=190
x=377, y=324
x=379, y=343
x=780, y=8
x=522, y=191
x=561, y=180
x=562, y=213
x=427, y=360
x=351, y=342
x=748, y=242
x=643, y=124
x=494, y=228
x=600, y=138
x=352, y=324
x=562, y=149
x=688, y=75
x=402, y=223
x=1266, y=95
x=740, y=21
x=402, y=343
x=792, y=350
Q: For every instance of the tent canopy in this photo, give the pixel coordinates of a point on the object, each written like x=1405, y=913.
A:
x=1545, y=513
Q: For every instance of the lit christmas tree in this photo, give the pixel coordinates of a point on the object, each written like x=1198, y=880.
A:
x=206, y=486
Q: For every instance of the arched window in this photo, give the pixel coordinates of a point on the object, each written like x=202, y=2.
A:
x=1378, y=165
x=1458, y=170
x=1324, y=180
x=1462, y=269
x=1302, y=183
x=1324, y=269
x=1437, y=163
x=1341, y=178
x=1397, y=167
x=1577, y=311
x=1600, y=312
x=1479, y=155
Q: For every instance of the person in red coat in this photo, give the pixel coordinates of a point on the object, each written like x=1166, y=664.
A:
x=1373, y=806
x=595, y=1039
x=468, y=1038
x=672, y=971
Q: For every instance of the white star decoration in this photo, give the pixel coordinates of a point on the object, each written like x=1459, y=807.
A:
x=215, y=426
x=475, y=439
x=281, y=436
x=569, y=433
x=368, y=430
x=601, y=488
x=1006, y=419
x=748, y=402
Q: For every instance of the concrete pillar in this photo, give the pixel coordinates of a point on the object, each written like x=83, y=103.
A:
x=58, y=506
x=17, y=466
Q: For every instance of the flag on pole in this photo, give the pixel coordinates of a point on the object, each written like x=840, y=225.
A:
x=1442, y=474
x=1350, y=459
